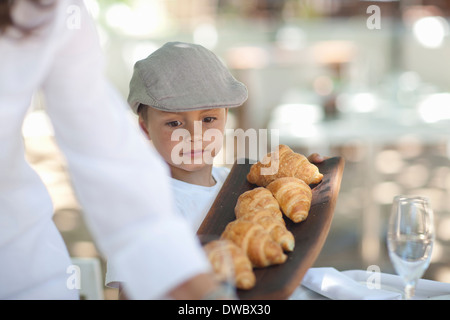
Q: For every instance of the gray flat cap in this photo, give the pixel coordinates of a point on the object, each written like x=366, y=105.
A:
x=182, y=77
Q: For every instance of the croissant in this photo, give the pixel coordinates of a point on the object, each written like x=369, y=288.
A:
x=275, y=227
x=255, y=241
x=283, y=163
x=255, y=200
x=294, y=197
x=229, y=262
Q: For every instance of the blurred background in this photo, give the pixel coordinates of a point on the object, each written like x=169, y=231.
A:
x=365, y=80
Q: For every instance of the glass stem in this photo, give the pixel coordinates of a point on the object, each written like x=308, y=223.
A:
x=410, y=290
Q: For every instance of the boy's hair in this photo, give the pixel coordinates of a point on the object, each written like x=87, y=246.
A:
x=183, y=77
x=142, y=111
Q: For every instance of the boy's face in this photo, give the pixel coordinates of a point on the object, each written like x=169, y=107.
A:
x=186, y=140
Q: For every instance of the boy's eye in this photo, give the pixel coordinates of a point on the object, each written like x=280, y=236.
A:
x=209, y=119
x=173, y=124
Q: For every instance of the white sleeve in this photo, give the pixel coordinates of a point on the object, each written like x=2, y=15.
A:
x=120, y=181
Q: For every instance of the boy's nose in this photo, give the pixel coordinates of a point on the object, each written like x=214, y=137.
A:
x=195, y=131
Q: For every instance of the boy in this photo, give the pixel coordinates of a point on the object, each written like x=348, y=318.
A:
x=182, y=93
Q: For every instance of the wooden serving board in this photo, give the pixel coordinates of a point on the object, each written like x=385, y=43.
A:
x=279, y=281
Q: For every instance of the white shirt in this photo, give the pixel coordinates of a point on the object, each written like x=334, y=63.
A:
x=127, y=207
x=194, y=201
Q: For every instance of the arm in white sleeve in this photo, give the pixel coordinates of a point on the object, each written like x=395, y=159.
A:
x=121, y=183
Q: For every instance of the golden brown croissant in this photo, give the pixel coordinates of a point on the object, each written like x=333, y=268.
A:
x=229, y=262
x=294, y=197
x=255, y=241
x=275, y=227
x=283, y=163
x=255, y=200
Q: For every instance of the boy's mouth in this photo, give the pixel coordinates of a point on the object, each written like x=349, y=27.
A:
x=193, y=153
x=200, y=156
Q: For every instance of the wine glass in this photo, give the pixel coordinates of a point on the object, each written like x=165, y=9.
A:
x=410, y=239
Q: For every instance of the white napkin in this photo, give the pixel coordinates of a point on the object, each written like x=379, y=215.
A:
x=322, y=283
x=425, y=289
x=335, y=285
